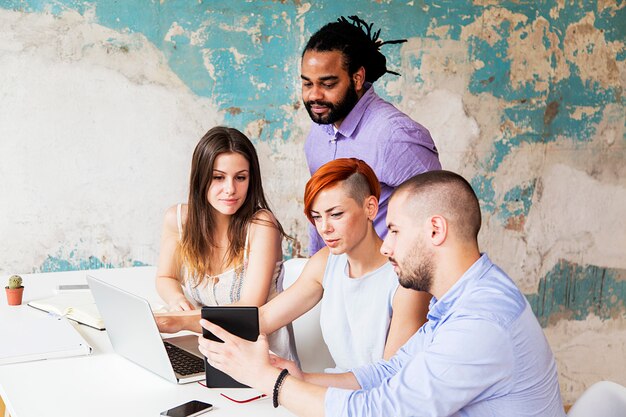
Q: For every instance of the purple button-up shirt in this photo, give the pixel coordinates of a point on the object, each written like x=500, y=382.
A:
x=395, y=146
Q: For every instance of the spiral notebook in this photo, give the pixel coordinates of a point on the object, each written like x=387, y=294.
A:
x=37, y=338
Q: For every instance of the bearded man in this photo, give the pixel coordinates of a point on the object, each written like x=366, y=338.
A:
x=340, y=63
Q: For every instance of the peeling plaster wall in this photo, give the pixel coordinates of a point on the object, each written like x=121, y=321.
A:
x=102, y=102
x=95, y=136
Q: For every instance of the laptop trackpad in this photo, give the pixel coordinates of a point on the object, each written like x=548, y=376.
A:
x=188, y=343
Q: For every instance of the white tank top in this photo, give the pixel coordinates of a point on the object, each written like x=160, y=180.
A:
x=356, y=313
x=225, y=288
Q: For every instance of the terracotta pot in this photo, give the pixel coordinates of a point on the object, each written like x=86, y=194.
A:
x=14, y=295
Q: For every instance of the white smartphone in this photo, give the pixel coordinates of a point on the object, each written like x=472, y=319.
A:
x=188, y=409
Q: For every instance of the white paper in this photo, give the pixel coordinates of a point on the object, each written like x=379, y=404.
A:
x=30, y=339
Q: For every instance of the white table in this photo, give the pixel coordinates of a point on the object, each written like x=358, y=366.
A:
x=103, y=383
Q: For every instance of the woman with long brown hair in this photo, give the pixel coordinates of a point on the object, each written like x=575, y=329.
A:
x=224, y=246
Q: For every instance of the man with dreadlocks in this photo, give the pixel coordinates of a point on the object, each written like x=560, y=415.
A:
x=339, y=64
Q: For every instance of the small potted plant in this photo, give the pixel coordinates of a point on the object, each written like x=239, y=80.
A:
x=15, y=290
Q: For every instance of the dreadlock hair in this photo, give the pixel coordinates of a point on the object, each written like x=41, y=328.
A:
x=358, y=44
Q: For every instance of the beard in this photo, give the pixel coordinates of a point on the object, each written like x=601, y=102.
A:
x=417, y=270
x=336, y=111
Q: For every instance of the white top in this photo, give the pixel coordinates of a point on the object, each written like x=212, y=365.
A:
x=225, y=288
x=356, y=313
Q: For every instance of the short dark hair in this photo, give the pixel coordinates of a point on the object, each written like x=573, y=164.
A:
x=446, y=193
x=358, y=45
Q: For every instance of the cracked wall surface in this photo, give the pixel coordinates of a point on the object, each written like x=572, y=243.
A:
x=102, y=102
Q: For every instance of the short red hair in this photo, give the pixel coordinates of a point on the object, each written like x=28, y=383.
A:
x=329, y=174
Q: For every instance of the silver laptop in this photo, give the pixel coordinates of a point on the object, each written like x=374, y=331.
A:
x=134, y=335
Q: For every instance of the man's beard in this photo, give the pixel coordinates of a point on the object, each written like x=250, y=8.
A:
x=337, y=111
x=414, y=275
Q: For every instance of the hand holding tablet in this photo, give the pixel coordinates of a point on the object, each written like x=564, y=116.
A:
x=240, y=321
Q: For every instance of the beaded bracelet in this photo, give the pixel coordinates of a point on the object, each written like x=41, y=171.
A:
x=279, y=382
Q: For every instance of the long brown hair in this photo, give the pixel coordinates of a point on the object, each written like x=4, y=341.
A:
x=198, y=243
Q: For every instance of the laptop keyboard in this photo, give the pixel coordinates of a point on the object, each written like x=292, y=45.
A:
x=184, y=363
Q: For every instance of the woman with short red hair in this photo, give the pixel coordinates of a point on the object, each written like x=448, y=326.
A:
x=365, y=315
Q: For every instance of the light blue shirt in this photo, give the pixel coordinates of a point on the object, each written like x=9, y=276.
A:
x=482, y=353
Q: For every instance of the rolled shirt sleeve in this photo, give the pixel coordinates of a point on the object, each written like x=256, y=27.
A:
x=409, y=152
x=467, y=359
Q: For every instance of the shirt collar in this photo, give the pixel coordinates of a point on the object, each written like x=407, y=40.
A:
x=352, y=120
x=439, y=308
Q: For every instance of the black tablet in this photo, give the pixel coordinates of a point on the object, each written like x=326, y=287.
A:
x=240, y=321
